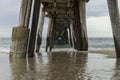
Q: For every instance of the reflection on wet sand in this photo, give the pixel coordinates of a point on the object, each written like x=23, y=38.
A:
x=60, y=66
x=18, y=67
x=67, y=66
x=116, y=74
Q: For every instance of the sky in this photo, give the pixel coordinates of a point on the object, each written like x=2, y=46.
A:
x=98, y=20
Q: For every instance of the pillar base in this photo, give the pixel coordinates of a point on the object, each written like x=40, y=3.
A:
x=19, y=42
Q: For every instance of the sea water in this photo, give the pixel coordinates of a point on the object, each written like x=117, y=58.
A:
x=67, y=65
x=94, y=44
x=101, y=44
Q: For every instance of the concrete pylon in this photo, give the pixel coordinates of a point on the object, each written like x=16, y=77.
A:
x=39, y=36
x=19, y=42
x=82, y=10
x=25, y=11
x=20, y=34
x=80, y=31
x=35, y=18
x=49, y=33
x=70, y=37
x=72, y=33
x=115, y=21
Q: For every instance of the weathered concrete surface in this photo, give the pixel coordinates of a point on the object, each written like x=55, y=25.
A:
x=25, y=11
x=28, y=13
x=50, y=27
x=82, y=9
x=115, y=21
x=19, y=42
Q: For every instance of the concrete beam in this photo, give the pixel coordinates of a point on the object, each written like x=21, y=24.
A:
x=59, y=1
x=115, y=21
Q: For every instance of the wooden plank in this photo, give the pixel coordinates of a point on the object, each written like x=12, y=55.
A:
x=35, y=19
x=115, y=21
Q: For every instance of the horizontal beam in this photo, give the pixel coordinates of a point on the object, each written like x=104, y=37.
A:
x=60, y=1
x=48, y=9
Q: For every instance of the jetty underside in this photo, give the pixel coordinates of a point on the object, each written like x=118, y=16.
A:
x=67, y=25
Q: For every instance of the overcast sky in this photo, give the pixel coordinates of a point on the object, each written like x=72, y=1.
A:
x=98, y=21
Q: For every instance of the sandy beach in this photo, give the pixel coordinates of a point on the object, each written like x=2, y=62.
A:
x=109, y=53
x=69, y=65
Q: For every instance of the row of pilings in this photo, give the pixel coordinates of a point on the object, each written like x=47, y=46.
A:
x=27, y=40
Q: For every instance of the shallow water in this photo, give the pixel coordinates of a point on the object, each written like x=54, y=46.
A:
x=60, y=66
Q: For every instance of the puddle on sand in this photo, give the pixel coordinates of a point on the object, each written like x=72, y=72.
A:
x=60, y=66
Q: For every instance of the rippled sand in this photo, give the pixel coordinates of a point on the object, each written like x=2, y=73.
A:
x=60, y=66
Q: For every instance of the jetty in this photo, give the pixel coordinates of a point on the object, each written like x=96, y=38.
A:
x=67, y=23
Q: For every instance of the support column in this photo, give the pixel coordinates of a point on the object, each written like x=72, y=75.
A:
x=52, y=36
x=20, y=34
x=115, y=21
x=25, y=11
x=28, y=13
x=19, y=42
x=39, y=36
x=79, y=30
x=50, y=27
x=70, y=38
x=74, y=35
x=35, y=19
x=82, y=9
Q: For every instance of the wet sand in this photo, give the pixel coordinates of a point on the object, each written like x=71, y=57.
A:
x=109, y=53
x=70, y=65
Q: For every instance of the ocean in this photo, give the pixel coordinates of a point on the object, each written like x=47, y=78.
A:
x=94, y=44
x=70, y=65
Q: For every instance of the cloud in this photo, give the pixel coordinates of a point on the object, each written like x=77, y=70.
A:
x=96, y=8
x=97, y=17
x=9, y=11
x=99, y=27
